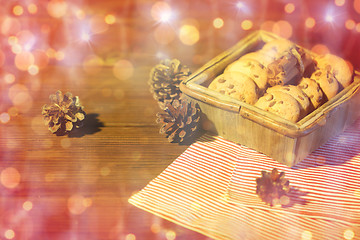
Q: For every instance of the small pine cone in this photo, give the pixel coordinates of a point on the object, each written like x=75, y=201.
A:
x=180, y=120
x=165, y=79
x=64, y=113
x=272, y=187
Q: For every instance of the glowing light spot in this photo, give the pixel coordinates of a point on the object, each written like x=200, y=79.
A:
x=339, y=3
x=93, y=64
x=350, y=24
x=27, y=206
x=218, y=23
x=357, y=6
x=51, y=53
x=9, y=234
x=130, y=236
x=310, y=22
x=33, y=70
x=357, y=28
x=80, y=14
x=283, y=29
x=87, y=202
x=320, y=49
x=18, y=10
x=57, y=8
x=32, y=8
x=110, y=19
x=76, y=204
x=189, y=34
x=246, y=24
x=164, y=34
x=161, y=12
x=24, y=60
x=10, y=26
x=4, y=118
x=12, y=40
x=65, y=143
x=170, y=235
x=59, y=55
x=10, y=177
x=20, y=97
x=85, y=36
x=284, y=200
x=123, y=69
x=9, y=78
x=306, y=235
x=105, y=171
x=155, y=228
x=16, y=48
x=349, y=234
x=329, y=18
x=98, y=25
x=289, y=8
x=240, y=5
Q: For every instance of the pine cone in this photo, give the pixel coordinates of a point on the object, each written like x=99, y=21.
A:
x=180, y=122
x=272, y=187
x=165, y=79
x=64, y=113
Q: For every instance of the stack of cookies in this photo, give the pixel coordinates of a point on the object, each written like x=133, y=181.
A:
x=283, y=79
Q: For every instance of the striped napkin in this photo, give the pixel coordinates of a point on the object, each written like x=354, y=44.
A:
x=210, y=188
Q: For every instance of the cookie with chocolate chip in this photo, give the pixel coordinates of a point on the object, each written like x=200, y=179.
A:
x=337, y=66
x=312, y=89
x=236, y=85
x=297, y=94
x=251, y=68
x=281, y=104
x=327, y=82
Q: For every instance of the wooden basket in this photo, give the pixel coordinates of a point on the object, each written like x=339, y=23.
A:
x=283, y=140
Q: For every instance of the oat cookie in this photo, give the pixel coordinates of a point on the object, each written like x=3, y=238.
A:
x=312, y=89
x=296, y=93
x=236, y=85
x=327, y=82
x=251, y=68
x=280, y=103
x=259, y=56
x=338, y=66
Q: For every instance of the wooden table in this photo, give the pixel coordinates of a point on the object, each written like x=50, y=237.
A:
x=77, y=186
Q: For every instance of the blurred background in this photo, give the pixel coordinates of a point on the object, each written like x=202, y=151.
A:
x=103, y=50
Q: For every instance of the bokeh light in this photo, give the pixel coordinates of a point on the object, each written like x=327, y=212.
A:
x=357, y=6
x=161, y=12
x=350, y=24
x=41, y=59
x=283, y=29
x=123, y=69
x=349, y=234
x=32, y=8
x=10, y=26
x=339, y=3
x=4, y=118
x=189, y=34
x=57, y=9
x=218, y=23
x=170, y=235
x=9, y=78
x=320, y=49
x=310, y=22
x=246, y=24
x=20, y=97
x=33, y=69
x=18, y=10
x=267, y=26
x=93, y=64
x=155, y=228
x=9, y=234
x=65, y=143
x=27, y=206
x=110, y=19
x=76, y=204
x=10, y=177
x=24, y=60
x=289, y=8
x=130, y=236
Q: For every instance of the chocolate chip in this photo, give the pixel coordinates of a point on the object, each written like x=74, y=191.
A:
x=301, y=98
x=233, y=91
x=222, y=80
x=255, y=75
x=268, y=97
x=318, y=74
x=330, y=80
x=231, y=86
x=304, y=86
x=272, y=103
x=281, y=102
x=222, y=91
x=286, y=88
x=311, y=96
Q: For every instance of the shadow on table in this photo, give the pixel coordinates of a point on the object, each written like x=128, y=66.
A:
x=296, y=197
x=91, y=125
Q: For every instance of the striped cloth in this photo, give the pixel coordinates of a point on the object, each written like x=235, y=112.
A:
x=210, y=188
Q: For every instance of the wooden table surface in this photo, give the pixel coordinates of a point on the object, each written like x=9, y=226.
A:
x=77, y=186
